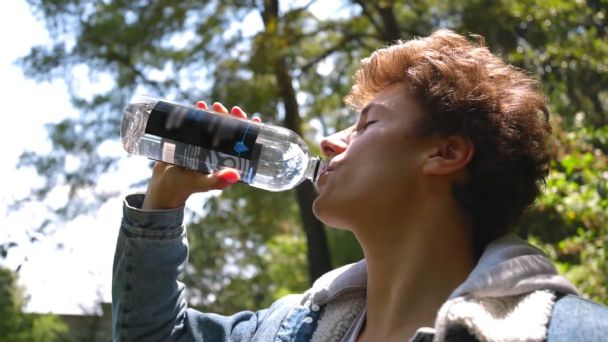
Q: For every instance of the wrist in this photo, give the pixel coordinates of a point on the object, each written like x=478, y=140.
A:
x=162, y=191
x=139, y=221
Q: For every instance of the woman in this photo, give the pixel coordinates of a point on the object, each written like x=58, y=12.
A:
x=449, y=149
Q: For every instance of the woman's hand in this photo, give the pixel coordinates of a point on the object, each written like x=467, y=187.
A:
x=171, y=185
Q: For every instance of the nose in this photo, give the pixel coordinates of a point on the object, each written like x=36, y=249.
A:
x=335, y=144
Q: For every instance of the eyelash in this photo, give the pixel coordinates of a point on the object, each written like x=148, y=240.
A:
x=367, y=124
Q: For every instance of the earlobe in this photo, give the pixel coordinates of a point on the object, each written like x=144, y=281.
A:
x=449, y=155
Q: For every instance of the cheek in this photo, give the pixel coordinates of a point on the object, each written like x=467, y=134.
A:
x=388, y=165
x=373, y=172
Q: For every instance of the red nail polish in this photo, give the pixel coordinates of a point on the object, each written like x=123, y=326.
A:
x=230, y=177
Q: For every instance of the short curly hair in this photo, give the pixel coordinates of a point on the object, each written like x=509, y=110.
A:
x=465, y=89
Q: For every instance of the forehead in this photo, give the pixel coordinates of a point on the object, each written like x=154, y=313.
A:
x=395, y=101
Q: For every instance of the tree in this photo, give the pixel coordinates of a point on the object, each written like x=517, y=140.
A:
x=295, y=67
x=17, y=326
x=109, y=40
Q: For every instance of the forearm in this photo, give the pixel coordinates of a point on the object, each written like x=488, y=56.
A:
x=151, y=252
x=147, y=300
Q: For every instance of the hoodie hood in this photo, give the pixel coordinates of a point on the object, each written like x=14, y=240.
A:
x=509, y=295
x=511, y=266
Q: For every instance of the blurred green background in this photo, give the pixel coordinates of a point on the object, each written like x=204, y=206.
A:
x=293, y=62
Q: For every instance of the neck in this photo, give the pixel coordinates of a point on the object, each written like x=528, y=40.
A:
x=413, y=265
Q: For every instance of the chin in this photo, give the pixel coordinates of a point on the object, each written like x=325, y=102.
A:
x=317, y=210
x=330, y=215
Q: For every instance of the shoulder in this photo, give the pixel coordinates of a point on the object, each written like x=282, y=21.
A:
x=577, y=319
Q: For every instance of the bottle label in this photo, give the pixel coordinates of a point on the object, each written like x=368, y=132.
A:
x=208, y=161
x=204, y=141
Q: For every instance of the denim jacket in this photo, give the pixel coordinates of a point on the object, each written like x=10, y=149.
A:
x=148, y=301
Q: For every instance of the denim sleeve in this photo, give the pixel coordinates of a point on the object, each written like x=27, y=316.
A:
x=148, y=302
x=577, y=319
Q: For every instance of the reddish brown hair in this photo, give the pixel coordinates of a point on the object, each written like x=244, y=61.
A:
x=465, y=89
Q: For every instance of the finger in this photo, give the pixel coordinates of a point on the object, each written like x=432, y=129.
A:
x=218, y=107
x=256, y=119
x=219, y=180
x=224, y=178
x=202, y=105
x=238, y=112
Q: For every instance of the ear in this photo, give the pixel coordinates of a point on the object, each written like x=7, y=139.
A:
x=449, y=155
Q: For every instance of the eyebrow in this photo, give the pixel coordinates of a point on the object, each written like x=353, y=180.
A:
x=369, y=107
x=366, y=109
x=363, y=113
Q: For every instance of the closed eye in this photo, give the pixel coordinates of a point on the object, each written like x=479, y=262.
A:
x=367, y=124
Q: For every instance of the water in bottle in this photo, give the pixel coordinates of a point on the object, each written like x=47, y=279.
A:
x=266, y=156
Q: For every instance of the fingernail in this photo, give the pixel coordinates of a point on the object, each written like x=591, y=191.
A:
x=218, y=107
x=237, y=111
x=201, y=104
x=230, y=177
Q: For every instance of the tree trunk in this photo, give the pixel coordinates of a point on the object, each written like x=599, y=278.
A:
x=382, y=17
x=392, y=33
x=319, y=260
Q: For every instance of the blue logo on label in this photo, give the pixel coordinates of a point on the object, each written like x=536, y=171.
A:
x=240, y=147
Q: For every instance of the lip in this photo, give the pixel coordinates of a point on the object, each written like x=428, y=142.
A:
x=323, y=177
x=331, y=166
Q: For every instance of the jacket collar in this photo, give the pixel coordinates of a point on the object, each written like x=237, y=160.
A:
x=346, y=279
x=509, y=266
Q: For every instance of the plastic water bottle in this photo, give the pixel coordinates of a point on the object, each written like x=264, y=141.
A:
x=267, y=156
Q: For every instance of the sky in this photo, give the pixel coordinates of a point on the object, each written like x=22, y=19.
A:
x=74, y=279
x=71, y=280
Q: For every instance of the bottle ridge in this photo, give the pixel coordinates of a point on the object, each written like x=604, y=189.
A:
x=266, y=156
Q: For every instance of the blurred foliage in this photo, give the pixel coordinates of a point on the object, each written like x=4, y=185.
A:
x=570, y=219
x=16, y=326
x=232, y=249
x=249, y=249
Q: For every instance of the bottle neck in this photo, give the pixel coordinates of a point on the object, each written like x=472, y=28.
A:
x=316, y=166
